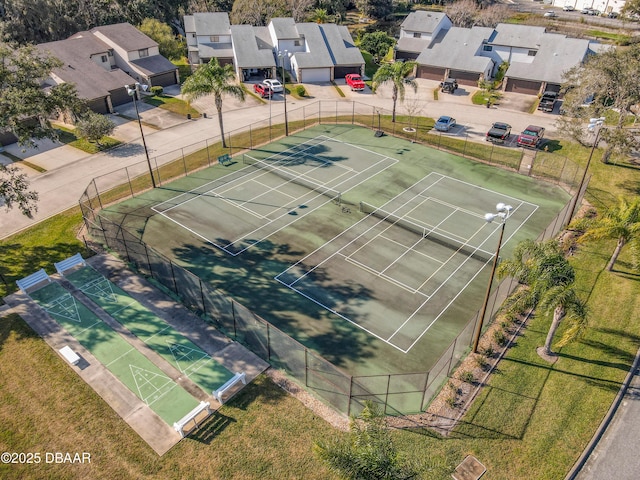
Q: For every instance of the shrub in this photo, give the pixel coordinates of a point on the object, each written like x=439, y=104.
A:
x=467, y=377
x=488, y=351
x=500, y=337
x=300, y=91
x=481, y=361
x=157, y=90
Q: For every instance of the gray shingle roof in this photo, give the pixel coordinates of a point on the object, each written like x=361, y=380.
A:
x=285, y=28
x=91, y=80
x=154, y=65
x=208, y=23
x=556, y=54
x=126, y=36
x=319, y=55
x=251, y=50
x=459, y=50
x=524, y=36
x=422, y=21
x=341, y=45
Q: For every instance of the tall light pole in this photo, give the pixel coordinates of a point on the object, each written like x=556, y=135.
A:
x=503, y=213
x=595, y=124
x=133, y=92
x=282, y=56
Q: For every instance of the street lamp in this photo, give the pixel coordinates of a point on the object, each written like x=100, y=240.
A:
x=503, y=213
x=132, y=93
x=595, y=124
x=281, y=56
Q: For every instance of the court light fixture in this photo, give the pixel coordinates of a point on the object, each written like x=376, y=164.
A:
x=133, y=93
x=503, y=212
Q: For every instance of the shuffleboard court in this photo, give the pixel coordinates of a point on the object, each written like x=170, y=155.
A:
x=419, y=253
x=276, y=190
x=150, y=384
x=175, y=348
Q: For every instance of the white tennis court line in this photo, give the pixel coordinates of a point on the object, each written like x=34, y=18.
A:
x=374, y=166
x=291, y=285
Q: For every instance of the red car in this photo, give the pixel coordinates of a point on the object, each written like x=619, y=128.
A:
x=262, y=90
x=355, y=82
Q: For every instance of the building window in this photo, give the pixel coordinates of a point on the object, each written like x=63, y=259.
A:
x=143, y=52
x=532, y=53
x=487, y=48
x=110, y=52
x=417, y=35
x=296, y=43
x=104, y=59
x=214, y=38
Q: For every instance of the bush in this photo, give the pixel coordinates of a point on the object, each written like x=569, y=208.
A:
x=488, y=352
x=157, y=90
x=481, y=361
x=467, y=377
x=300, y=91
x=500, y=337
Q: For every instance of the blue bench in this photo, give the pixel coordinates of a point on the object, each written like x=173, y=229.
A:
x=225, y=159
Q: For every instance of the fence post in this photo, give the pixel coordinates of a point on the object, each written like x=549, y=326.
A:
x=206, y=145
x=204, y=303
x=146, y=252
x=386, y=397
x=353, y=113
x=306, y=368
x=233, y=315
x=350, y=395
x=173, y=277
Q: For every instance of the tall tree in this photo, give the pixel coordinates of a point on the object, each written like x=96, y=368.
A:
x=377, y=44
x=396, y=74
x=610, y=78
x=25, y=106
x=14, y=191
x=170, y=47
x=620, y=222
x=217, y=80
x=375, y=8
x=547, y=280
x=368, y=453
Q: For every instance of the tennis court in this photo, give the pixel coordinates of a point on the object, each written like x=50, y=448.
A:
x=165, y=397
x=176, y=349
x=373, y=252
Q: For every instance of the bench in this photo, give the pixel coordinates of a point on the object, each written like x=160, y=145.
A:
x=192, y=417
x=32, y=280
x=225, y=159
x=69, y=355
x=69, y=263
x=238, y=377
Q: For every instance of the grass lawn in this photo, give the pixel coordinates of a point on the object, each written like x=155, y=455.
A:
x=172, y=104
x=531, y=422
x=68, y=136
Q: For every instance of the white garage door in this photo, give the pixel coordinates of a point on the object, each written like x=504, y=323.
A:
x=311, y=75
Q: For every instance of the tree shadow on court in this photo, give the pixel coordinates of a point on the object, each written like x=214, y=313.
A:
x=249, y=280
x=327, y=157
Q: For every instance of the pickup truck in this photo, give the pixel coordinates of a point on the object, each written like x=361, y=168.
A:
x=355, y=82
x=531, y=136
x=547, y=101
x=498, y=132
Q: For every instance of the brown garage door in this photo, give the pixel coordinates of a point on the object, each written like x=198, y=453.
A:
x=465, y=78
x=99, y=105
x=432, y=73
x=163, y=79
x=340, y=72
x=523, y=86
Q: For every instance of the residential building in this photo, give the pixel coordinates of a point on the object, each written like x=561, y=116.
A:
x=208, y=36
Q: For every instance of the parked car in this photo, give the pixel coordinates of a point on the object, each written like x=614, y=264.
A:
x=262, y=90
x=568, y=8
x=444, y=123
x=547, y=101
x=355, y=82
x=550, y=14
x=275, y=85
x=585, y=11
x=594, y=12
x=450, y=85
x=498, y=133
x=531, y=136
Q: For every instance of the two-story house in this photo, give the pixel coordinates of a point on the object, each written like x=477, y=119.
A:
x=208, y=36
x=418, y=31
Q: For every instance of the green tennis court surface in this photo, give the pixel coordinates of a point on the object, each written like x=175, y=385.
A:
x=179, y=351
x=382, y=282
x=165, y=397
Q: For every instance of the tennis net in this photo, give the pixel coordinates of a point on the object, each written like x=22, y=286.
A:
x=297, y=179
x=427, y=233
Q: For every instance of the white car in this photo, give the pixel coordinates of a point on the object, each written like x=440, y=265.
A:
x=275, y=85
x=568, y=8
x=550, y=13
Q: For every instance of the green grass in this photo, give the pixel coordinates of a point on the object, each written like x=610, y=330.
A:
x=618, y=38
x=172, y=104
x=68, y=136
x=479, y=98
x=529, y=411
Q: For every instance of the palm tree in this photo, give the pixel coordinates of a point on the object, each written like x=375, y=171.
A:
x=621, y=222
x=396, y=74
x=217, y=80
x=319, y=15
x=547, y=280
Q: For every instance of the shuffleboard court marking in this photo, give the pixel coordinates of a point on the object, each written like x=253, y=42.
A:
x=154, y=384
x=99, y=288
x=193, y=357
x=519, y=203
x=249, y=178
x=64, y=306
